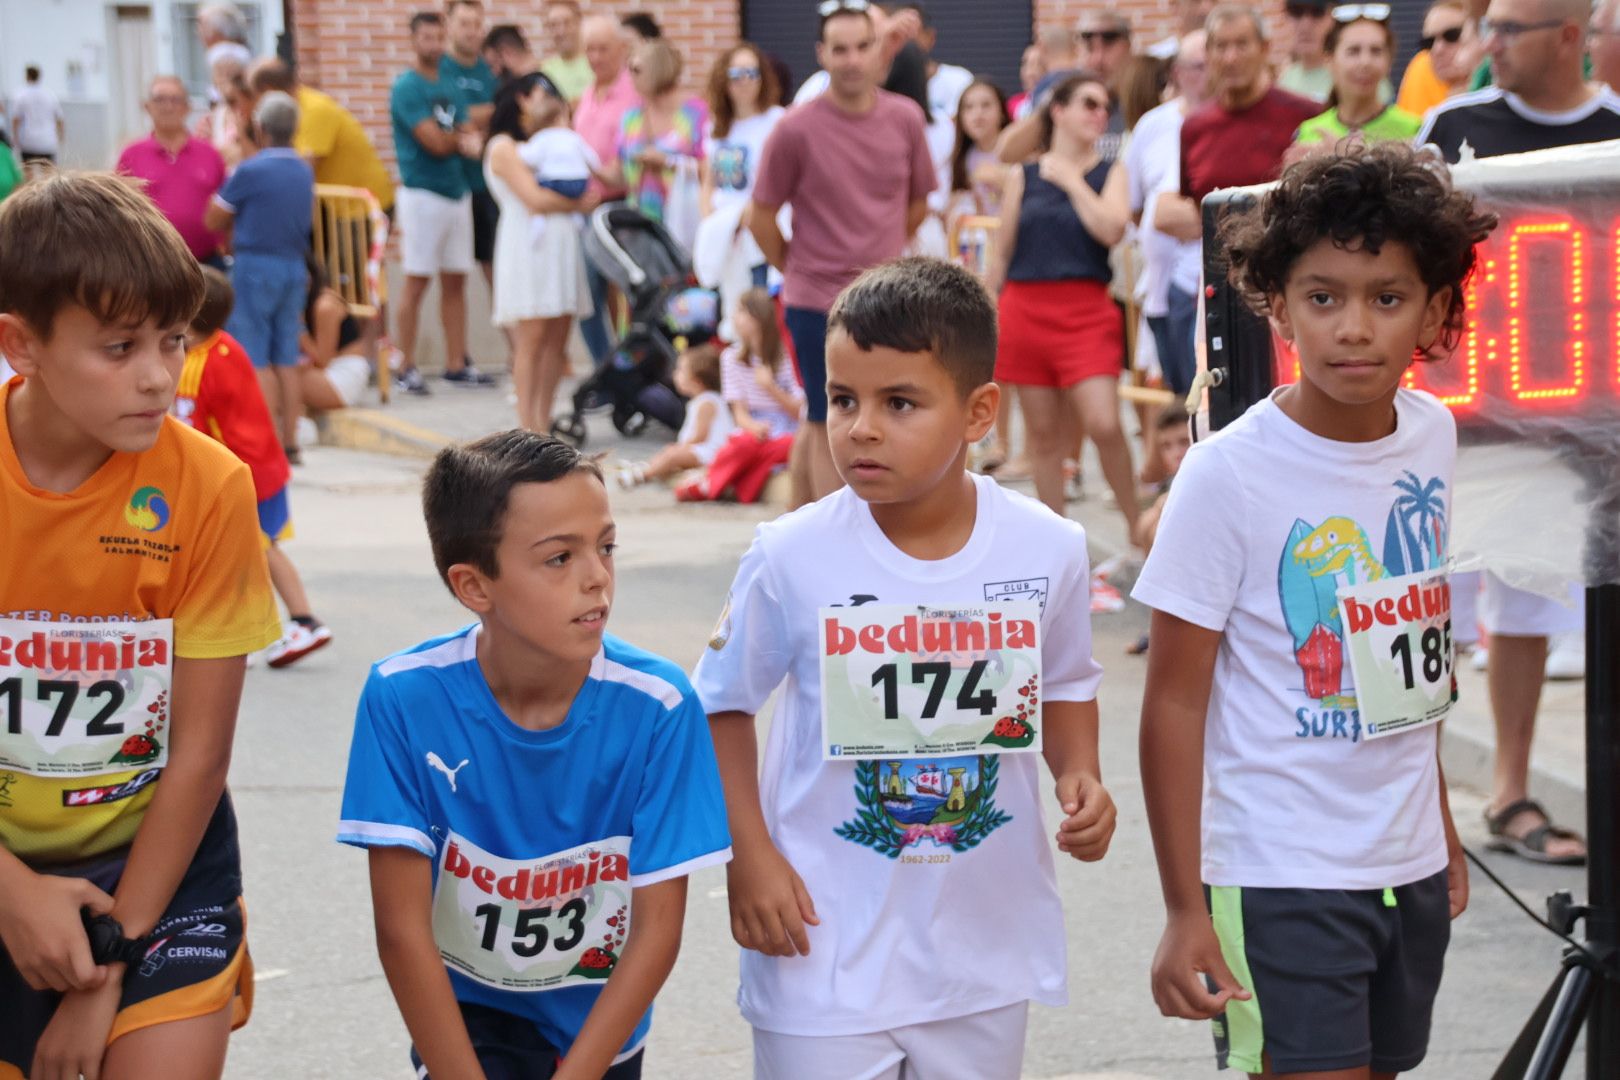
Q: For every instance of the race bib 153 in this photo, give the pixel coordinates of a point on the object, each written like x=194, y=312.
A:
x=908, y=681
x=1398, y=635
x=83, y=699
x=533, y=924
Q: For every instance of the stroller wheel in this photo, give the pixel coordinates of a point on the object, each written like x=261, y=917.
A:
x=570, y=429
x=631, y=425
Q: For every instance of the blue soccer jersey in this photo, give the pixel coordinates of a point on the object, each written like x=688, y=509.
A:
x=536, y=837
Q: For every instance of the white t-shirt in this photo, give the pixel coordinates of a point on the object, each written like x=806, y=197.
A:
x=559, y=153
x=1293, y=796
x=721, y=425
x=1153, y=160
x=734, y=160
x=934, y=927
x=34, y=113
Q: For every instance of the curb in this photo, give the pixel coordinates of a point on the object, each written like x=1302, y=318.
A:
x=1469, y=760
x=378, y=433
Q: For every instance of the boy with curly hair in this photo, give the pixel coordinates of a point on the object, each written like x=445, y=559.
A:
x=1309, y=864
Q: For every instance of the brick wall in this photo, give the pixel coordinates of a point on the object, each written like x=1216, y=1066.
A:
x=354, y=49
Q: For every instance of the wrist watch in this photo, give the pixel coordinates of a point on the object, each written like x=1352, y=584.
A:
x=108, y=945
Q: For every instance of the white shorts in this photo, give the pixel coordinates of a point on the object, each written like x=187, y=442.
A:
x=1516, y=613
x=349, y=376
x=435, y=233
x=986, y=1046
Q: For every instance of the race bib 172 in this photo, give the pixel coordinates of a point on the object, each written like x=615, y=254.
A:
x=84, y=699
x=533, y=924
x=909, y=681
x=1398, y=635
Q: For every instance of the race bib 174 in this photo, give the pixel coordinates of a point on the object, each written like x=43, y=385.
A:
x=909, y=681
x=533, y=924
x=84, y=699
x=1398, y=635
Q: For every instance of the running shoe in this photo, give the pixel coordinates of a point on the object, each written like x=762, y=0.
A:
x=468, y=376
x=411, y=382
x=1566, y=656
x=297, y=643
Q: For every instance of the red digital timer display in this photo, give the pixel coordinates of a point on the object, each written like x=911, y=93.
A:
x=1543, y=328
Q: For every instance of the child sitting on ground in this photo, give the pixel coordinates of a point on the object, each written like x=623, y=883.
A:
x=707, y=426
x=219, y=395
x=1307, y=855
x=755, y=377
x=887, y=827
x=526, y=936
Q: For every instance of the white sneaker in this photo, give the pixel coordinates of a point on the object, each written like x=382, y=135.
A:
x=1480, y=659
x=1566, y=656
x=308, y=433
x=297, y=643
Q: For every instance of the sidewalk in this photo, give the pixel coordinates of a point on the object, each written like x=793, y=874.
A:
x=415, y=426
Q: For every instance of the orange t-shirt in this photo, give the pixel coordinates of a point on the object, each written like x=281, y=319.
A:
x=1421, y=88
x=171, y=533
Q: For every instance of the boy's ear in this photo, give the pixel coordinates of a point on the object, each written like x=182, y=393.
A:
x=1280, y=322
x=1434, y=317
x=470, y=586
x=20, y=345
x=982, y=405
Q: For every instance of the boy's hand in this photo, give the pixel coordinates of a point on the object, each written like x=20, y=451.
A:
x=769, y=903
x=1457, y=880
x=1089, y=816
x=75, y=1040
x=44, y=934
x=1188, y=951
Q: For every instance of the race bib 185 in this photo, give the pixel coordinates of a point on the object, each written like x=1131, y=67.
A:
x=533, y=924
x=909, y=681
x=84, y=699
x=1398, y=635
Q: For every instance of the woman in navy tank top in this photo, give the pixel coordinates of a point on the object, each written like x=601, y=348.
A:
x=1062, y=338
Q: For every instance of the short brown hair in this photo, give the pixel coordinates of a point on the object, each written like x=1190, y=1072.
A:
x=271, y=73
x=663, y=62
x=218, y=300
x=921, y=304
x=55, y=251
x=703, y=361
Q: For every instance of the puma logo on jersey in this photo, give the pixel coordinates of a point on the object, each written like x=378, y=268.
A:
x=436, y=762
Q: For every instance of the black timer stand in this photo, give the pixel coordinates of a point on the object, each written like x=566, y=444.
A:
x=1586, y=991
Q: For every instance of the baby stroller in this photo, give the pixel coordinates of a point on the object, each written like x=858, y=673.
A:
x=636, y=254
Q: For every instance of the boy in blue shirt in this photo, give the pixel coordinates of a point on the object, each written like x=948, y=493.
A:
x=532, y=792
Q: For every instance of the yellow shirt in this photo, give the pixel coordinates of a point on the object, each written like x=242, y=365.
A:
x=1421, y=88
x=337, y=147
x=171, y=533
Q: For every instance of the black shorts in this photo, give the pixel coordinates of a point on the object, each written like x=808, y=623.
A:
x=1341, y=978
x=511, y=1048
x=486, y=213
x=196, y=959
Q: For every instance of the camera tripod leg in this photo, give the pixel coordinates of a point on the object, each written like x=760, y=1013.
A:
x=1564, y=1024
x=1517, y=1060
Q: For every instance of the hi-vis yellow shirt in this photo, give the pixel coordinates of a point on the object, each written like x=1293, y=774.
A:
x=168, y=534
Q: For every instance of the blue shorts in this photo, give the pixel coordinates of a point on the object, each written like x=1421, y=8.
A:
x=275, y=517
x=808, y=329
x=568, y=189
x=269, y=312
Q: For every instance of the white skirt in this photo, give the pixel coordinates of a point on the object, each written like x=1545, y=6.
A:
x=539, y=277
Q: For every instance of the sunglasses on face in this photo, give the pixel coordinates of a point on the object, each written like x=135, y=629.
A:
x=168, y=99
x=1104, y=37
x=833, y=7
x=1303, y=11
x=738, y=74
x=1091, y=103
x=1349, y=13
x=1450, y=37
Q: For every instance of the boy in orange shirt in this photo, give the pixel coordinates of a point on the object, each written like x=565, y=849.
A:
x=131, y=588
x=219, y=395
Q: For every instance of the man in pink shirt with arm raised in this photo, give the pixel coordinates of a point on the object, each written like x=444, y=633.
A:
x=181, y=173
x=854, y=165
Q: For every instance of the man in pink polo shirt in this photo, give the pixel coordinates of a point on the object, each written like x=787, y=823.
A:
x=854, y=165
x=597, y=117
x=181, y=173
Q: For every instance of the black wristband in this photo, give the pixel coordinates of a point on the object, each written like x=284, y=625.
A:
x=107, y=941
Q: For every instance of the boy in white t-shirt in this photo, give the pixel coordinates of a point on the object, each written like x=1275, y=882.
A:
x=1301, y=644
x=898, y=912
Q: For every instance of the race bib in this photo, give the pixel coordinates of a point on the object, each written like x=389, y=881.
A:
x=533, y=924
x=910, y=681
x=1398, y=635
x=83, y=699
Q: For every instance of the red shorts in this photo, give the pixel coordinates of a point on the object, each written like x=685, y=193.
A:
x=1058, y=333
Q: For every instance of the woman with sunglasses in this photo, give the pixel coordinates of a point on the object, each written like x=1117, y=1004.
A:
x=1443, y=62
x=744, y=106
x=1062, y=336
x=1361, y=51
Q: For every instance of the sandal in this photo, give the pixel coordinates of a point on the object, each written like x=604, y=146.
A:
x=1533, y=844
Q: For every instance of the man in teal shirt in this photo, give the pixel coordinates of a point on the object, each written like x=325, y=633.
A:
x=433, y=207
x=464, y=66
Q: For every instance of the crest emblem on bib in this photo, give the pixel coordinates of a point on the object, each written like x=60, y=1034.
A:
x=901, y=803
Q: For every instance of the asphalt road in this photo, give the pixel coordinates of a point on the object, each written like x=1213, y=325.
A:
x=323, y=1008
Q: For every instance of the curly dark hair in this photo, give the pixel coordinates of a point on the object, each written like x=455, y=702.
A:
x=1363, y=197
